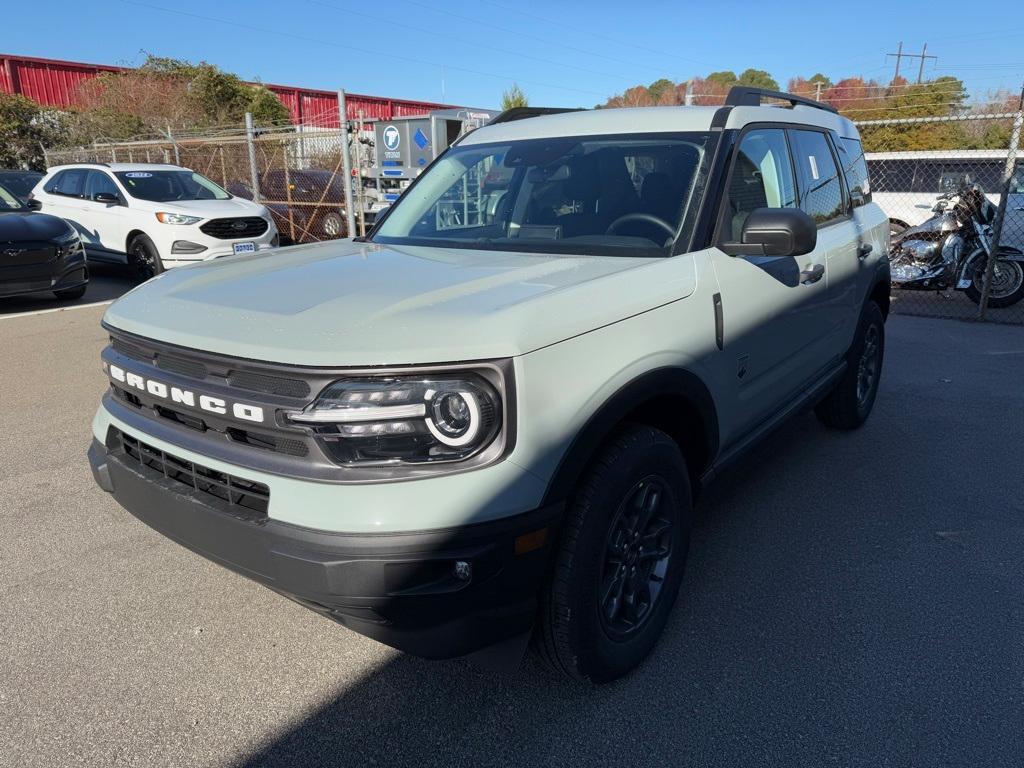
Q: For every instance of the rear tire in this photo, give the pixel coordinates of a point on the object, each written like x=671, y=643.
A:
x=144, y=258
x=332, y=225
x=621, y=559
x=849, y=404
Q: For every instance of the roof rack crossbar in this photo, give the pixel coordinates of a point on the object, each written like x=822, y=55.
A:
x=745, y=96
x=523, y=113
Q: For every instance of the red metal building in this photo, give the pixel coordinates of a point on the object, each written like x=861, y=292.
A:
x=52, y=82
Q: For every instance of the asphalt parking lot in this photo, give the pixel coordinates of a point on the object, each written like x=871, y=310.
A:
x=852, y=599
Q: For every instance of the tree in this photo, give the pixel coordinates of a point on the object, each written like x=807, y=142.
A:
x=514, y=97
x=662, y=92
x=726, y=77
x=24, y=129
x=169, y=92
x=757, y=78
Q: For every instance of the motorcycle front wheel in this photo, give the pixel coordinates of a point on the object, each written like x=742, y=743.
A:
x=1007, y=284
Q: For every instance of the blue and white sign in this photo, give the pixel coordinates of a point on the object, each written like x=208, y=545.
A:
x=392, y=138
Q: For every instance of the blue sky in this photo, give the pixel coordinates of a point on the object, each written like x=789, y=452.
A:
x=567, y=53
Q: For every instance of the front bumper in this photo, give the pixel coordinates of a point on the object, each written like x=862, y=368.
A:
x=402, y=589
x=215, y=248
x=59, y=275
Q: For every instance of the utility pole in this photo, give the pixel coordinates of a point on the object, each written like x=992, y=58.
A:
x=817, y=90
x=900, y=55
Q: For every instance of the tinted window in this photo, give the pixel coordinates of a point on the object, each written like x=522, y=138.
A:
x=20, y=182
x=98, y=182
x=762, y=177
x=938, y=176
x=851, y=154
x=821, y=193
x=8, y=200
x=167, y=186
x=70, y=183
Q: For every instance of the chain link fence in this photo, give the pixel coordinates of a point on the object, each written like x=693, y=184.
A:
x=949, y=206
x=296, y=171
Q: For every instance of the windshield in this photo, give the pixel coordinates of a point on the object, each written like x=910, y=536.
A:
x=605, y=195
x=166, y=186
x=9, y=201
x=20, y=182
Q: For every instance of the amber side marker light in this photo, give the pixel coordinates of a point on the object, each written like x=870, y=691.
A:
x=531, y=541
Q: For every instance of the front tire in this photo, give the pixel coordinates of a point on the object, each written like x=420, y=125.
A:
x=849, y=404
x=1007, y=284
x=332, y=225
x=144, y=258
x=70, y=294
x=621, y=559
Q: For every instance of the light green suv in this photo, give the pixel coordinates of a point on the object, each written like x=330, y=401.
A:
x=488, y=420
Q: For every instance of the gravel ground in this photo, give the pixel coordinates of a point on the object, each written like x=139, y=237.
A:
x=852, y=599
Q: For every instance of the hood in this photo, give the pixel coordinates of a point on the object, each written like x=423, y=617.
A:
x=207, y=209
x=27, y=226
x=349, y=304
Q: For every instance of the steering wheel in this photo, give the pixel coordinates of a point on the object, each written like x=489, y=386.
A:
x=648, y=218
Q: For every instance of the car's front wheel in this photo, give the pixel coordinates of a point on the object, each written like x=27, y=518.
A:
x=621, y=559
x=144, y=258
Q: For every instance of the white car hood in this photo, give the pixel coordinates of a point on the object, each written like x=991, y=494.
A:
x=206, y=209
x=349, y=304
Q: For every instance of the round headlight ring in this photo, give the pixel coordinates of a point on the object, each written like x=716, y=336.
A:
x=454, y=417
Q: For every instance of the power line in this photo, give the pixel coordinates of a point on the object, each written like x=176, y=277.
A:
x=900, y=55
x=596, y=35
x=348, y=47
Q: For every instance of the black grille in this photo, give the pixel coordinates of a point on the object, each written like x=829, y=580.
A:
x=233, y=229
x=178, y=365
x=133, y=351
x=268, y=385
x=239, y=498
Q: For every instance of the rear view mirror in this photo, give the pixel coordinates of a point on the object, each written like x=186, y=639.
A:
x=775, y=232
x=33, y=204
x=106, y=197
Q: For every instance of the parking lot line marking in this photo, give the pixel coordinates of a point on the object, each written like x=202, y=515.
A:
x=56, y=309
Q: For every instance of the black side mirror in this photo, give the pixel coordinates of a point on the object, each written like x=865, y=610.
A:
x=106, y=197
x=775, y=232
x=33, y=205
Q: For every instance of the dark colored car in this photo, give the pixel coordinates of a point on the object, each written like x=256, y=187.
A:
x=306, y=205
x=38, y=252
x=20, y=183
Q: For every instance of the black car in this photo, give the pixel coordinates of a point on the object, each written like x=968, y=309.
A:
x=38, y=252
x=21, y=183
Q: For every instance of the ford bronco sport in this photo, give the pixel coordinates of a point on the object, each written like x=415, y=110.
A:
x=488, y=419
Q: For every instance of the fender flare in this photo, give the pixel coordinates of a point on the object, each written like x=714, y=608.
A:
x=1004, y=253
x=660, y=382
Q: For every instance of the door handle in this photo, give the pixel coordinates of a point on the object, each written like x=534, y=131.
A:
x=812, y=275
x=864, y=251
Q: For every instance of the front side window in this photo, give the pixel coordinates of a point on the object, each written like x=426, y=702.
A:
x=762, y=177
x=603, y=195
x=99, y=182
x=170, y=186
x=821, y=193
x=851, y=154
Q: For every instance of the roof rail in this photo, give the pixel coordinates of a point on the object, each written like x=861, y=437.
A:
x=522, y=113
x=745, y=96
x=85, y=162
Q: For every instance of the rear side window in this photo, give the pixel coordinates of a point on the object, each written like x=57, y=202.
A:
x=851, y=154
x=821, y=193
x=70, y=183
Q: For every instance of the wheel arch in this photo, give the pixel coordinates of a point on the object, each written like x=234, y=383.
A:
x=131, y=236
x=674, y=400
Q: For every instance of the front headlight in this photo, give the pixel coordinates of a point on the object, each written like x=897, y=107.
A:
x=176, y=218
x=415, y=419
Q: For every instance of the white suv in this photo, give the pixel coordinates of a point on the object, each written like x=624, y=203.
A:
x=152, y=216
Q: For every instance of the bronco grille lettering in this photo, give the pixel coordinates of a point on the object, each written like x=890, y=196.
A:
x=243, y=411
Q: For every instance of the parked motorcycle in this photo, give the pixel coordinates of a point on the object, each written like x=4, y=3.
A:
x=952, y=249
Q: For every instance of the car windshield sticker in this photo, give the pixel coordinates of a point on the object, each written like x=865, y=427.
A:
x=139, y=175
